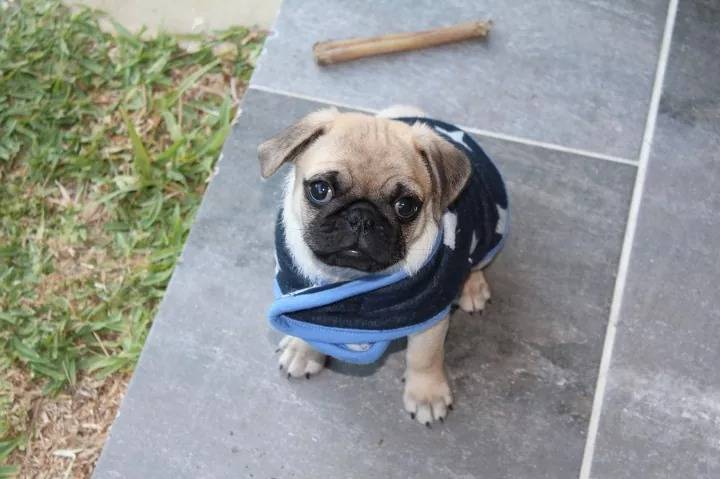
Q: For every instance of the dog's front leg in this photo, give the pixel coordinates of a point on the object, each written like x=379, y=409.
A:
x=299, y=359
x=427, y=394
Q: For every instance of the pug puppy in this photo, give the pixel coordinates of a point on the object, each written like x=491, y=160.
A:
x=352, y=168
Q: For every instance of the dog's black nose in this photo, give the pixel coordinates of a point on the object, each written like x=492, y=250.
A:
x=361, y=216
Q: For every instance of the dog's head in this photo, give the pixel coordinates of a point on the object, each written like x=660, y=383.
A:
x=366, y=193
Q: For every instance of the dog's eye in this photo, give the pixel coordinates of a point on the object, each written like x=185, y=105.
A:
x=320, y=192
x=407, y=207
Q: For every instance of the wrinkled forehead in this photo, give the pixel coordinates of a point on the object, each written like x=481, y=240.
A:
x=370, y=155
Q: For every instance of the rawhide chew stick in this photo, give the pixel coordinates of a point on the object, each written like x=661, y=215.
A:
x=337, y=51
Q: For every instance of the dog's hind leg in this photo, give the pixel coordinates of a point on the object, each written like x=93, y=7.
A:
x=475, y=293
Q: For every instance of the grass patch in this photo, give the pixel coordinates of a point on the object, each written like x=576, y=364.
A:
x=106, y=146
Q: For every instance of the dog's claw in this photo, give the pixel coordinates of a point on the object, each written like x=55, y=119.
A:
x=307, y=375
x=450, y=407
x=288, y=376
x=412, y=415
x=442, y=419
x=427, y=425
x=280, y=367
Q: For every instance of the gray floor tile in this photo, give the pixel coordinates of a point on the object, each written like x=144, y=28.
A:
x=207, y=399
x=575, y=73
x=661, y=415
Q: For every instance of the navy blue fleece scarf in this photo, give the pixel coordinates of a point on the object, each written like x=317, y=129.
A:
x=355, y=320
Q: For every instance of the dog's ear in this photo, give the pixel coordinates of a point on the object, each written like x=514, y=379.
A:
x=449, y=168
x=294, y=140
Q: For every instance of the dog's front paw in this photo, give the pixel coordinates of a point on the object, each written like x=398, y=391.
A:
x=427, y=396
x=299, y=359
x=475, y=293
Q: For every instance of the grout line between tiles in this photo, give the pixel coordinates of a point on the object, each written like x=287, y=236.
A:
x=309, y=98
x=477, y=131
x=628, y=240
x=549, y=146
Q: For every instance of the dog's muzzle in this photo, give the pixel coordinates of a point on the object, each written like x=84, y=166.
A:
x=358, y=237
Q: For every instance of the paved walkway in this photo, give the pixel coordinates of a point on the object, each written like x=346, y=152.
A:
x=599, y=354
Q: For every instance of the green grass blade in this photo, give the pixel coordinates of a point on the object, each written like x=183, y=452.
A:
x=141, y=158
x=190, y=81
x=9, y=472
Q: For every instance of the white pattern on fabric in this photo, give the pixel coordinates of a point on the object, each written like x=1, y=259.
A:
x=473, y=243
x=501, y=226
x=358, y=347
x=449, y=220
x=457, y=136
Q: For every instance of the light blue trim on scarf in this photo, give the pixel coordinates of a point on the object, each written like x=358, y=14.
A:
x=338, y=342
